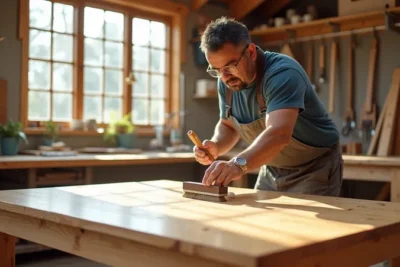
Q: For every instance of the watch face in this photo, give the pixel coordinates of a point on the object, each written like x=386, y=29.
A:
x=241, y=161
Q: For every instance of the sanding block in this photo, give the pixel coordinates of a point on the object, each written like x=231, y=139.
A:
x=201, y=191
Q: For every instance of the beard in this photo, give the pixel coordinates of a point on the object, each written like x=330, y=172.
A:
x=235, y=84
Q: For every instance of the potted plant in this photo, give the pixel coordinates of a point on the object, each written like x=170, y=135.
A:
x=121, y=131
x=51, y=133
x=11, y=135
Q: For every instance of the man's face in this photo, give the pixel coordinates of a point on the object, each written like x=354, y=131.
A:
x=234, y=65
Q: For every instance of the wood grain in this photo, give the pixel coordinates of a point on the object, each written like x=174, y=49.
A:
x=7, y=250
x=151, y=220
x=89, y=160
x=386, y=140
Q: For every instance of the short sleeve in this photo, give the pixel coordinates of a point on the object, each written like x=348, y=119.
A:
x=285, y=89
x=221, y=99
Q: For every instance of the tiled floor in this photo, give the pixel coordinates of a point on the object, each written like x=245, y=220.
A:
x=53, y=259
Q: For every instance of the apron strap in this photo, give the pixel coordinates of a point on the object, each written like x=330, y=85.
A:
x=260, y=74
x=259, y=78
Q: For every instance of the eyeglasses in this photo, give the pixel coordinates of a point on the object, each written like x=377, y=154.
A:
x=231, y=69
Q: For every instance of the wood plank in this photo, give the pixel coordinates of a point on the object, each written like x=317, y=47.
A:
x=3, y=101
x=87, y=220
x=7, y=250
x=101, y=248
x=82, y=160
x=271, y=7
x=239, y=8
x=24, y=37
x=395, y=262
x=361, y=254
x=322, y=26
x=197, y=4
x=395, y=186
x=373, y=147
x=386, y=139
x=371, y=173
x=79, y=59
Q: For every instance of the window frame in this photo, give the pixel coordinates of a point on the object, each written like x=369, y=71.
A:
x=172, y=14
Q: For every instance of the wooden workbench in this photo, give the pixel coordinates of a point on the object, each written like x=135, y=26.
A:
x=364, y=168
x=151, y=224
x=87, y=162
x=92, y=160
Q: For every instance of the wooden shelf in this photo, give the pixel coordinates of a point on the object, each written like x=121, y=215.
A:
x=30, y=248
x=325, y=26
x=205, y=97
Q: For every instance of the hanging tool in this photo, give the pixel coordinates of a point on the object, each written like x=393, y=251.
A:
x=322, y=62
x=369, y=115
x=287, y=50
x=310, y=65
x=349, y=120
x=332, y=81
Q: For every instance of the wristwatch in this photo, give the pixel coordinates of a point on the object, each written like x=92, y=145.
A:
x=241, y=163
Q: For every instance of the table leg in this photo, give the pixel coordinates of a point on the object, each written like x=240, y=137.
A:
x=395, y=185
x=32, y=178
x=7, y=250
x=395, y=262
x=88, y=175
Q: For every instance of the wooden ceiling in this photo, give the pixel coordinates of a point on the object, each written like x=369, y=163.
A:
x=238, y=9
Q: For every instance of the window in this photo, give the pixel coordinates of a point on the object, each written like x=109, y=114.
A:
x=103, y=64
x=149, y=68
x=88, y=61
x=50, y=77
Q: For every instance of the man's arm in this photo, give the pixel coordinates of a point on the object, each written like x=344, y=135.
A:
x=225, y=136
x=286, y=99
x=278, y=132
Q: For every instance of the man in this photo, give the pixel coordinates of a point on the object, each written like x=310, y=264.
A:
x=267, y=99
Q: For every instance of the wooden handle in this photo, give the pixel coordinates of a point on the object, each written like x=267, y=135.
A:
x=310, y=59
x=350, y=82
x=371, y=75
x=332, y=83
x=197, y=142
x=322, y=56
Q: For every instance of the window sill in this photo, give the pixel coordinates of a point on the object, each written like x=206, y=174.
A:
x=66, y=132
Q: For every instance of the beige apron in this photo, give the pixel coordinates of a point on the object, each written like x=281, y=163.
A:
x=298, y=168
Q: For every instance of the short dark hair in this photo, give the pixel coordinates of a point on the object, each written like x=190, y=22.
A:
x=224, y=30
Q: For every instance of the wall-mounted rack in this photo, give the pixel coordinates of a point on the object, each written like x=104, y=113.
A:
x=331, y=27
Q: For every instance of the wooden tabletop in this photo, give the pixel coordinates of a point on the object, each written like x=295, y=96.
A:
x=253, y=226
x=87, y=160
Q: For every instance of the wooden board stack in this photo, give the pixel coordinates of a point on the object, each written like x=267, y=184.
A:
x=386, y=141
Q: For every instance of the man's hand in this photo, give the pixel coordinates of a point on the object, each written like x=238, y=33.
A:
x=201, y=156
x=222, y=172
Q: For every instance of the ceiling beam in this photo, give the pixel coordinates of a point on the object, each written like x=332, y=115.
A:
x=272, y=6
x=197, y=4
x=239, y=8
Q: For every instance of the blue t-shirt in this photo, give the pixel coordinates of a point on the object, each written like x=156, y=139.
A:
x=285, y=85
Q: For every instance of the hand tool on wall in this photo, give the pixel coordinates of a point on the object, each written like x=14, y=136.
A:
x=369, y=114
x=310, y=65
x=286, y=49
x=322, y=62
x=332, y=81
x=349, y=119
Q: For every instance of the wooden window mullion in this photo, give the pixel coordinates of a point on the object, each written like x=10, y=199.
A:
x=78, y=56
x=127, y=87
x=51, y=61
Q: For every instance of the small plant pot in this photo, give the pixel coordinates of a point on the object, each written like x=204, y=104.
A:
x=48, y=142
x=9, y=146
x=126, y=140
